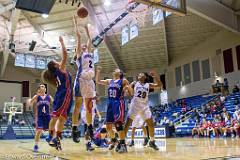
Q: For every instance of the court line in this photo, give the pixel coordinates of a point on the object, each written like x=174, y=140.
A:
x=44, y=154
x=224, y=157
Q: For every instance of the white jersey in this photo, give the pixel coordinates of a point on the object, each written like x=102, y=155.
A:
x=87, y=62
x=141, y=92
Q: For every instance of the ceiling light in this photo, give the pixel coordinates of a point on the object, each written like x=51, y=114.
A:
x=45, y=15
x=107, y=3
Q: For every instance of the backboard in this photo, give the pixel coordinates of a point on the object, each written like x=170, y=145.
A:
x=15, y=107
x=175, y=6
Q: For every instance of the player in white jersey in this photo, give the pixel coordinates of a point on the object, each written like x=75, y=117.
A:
x=139, y=104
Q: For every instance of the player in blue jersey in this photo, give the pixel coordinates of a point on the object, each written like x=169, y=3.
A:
x=42, y=103
x=58, y=76
x=115, y=110
x=77, y=94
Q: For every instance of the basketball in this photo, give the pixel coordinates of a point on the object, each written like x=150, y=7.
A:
x=82, y=12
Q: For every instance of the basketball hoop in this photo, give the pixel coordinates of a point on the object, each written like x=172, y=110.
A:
x=12, y=108
x=139, y=14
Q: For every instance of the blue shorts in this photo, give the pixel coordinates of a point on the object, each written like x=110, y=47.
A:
x=76, y=88
x=62, y=103
x=115, y=111
x=42, y=122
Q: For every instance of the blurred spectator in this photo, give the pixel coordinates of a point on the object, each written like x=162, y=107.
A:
x=222, y=98
x=195, y=115
x=225, y=114
x=22, y=122
x=217, y=87
x=16, y=121
x=236, y=113
x=165, y=120
x=236, y=101
x=4, y=117
x=235, y=89
x=225, y=86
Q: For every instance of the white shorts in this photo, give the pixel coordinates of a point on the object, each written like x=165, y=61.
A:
x=87, y=88
x=137, y=122
x=139, y=108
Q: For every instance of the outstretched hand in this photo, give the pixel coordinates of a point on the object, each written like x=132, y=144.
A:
x=60, y=39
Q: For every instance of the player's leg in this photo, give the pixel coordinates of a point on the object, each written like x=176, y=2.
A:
x=75, y=117
x=37, y=139
x=88, y=107
x=147, y=116
x=119, y=120
x=132, y=137
x=109, y=125
x=76, y=111
x=52, y=132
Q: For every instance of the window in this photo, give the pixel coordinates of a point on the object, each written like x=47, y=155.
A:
x=157, y=16
x=133, y=31
x=187, y=73
x=125, y=35
x=196, y=71
x=178, y=75
x=238, y=56
x=206, y=69
x=228, y=60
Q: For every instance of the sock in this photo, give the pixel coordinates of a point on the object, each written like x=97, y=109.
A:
x=122, y=141
x=74, y=128
x=90, y=130
x=151, y=138
x=51, y=132
x=59, y=134
x=114, y=140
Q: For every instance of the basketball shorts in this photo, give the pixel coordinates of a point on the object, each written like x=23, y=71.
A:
x=42, y=122
x=76, y=88
x=115, y=111
x=137, y=122
x=87, y=88
x=62, y=103
x=139, y=108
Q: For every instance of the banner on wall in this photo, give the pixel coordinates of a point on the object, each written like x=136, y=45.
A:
x=160, y=132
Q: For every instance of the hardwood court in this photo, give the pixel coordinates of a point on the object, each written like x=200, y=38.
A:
x=170, y=149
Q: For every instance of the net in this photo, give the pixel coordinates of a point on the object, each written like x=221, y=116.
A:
x=139, y=14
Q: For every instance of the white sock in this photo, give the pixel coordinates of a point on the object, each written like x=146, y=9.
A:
x=151, y=138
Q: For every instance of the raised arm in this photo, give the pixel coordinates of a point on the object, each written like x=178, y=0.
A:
x=79, y=48
x=64, y=55
x=157, y=81
x=98, y=81
x=89, y=42
x=127, y=87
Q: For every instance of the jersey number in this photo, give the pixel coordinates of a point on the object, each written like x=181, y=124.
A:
x=44, y=110
x=142, y=94
x=112, y=93
x=90, y=64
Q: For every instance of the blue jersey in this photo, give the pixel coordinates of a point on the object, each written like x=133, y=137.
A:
x=64, y=80
x=43, y=105
x=115, y=89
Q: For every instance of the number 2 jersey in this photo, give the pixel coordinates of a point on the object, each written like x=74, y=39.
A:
x=43, y=106
x=141, y=92
x=87, y=63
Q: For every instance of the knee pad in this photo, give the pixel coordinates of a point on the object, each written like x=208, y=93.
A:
x=119, y=127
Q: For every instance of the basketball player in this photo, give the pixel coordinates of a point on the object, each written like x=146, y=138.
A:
x=58, y=76
x=115, y=109
x=139, y=104
x=42, y=112
x=77, y=94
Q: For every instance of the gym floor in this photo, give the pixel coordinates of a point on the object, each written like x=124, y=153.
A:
x=170, y=149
